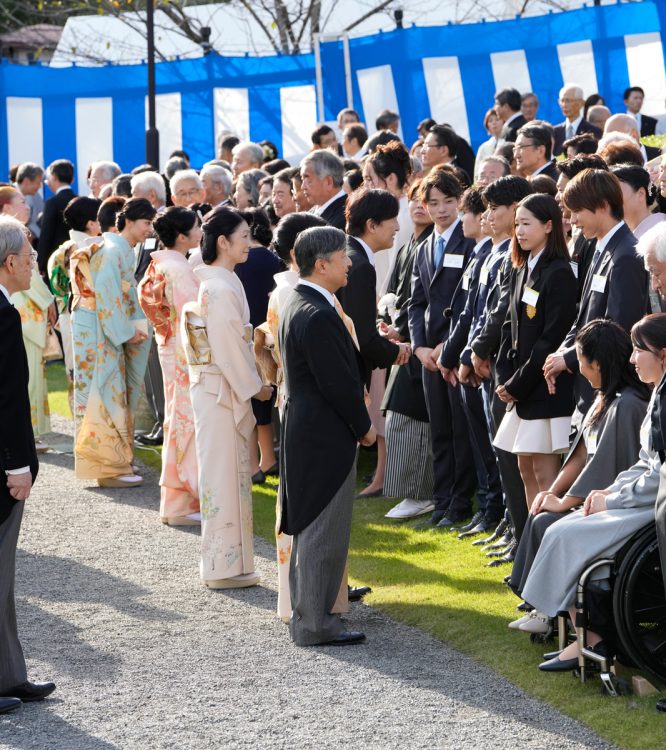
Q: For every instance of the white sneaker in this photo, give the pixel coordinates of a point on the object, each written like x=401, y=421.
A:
x=515, y=625
x=537, y=623
x=409, y=508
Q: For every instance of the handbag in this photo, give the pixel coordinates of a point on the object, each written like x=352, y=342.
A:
x=52, y=348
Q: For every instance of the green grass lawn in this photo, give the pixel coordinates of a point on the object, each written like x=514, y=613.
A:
x=431, y=580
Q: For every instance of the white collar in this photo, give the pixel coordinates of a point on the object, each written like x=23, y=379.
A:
x=447, y=232
x=533, y=260
x=479, y=245
x=63, y=187
x=513, y=117
x=368, y=250
x=540, y=170
x=327, y=295
x=6, y=293
x=601, y=244
x=575, y=123
x=320, y=209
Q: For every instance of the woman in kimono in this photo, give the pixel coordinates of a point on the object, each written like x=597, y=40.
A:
x=609, y=517
x=607, y=444
x=169, y=282
x=36, y=308
x=110, y=349
x=223, y=378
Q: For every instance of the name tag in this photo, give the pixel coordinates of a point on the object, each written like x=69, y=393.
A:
x=483, y=277
x=574, y=268
x=530, y=297
x=591, y=443
x=598, y=283
x=453, y=260
x=465, y=283
x=150, y=243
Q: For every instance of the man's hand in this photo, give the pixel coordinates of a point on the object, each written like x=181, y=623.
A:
x=423, y=354
x=595, y=502
x=467, y=376
x=481, y=367
x=546, y=501
x=552, y=367
x=388, y=332
x=370, y=438
x=404, y=354
x=20, y=485
x=504, y=395
x=451, y=376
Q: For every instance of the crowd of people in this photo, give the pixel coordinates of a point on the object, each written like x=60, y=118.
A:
x=492, y=323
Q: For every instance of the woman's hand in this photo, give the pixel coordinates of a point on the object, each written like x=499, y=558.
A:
x=546, y=501
x=504, y=395
x=595, y=502
x=264, y=394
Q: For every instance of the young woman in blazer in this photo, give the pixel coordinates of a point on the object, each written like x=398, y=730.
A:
x=541, y=311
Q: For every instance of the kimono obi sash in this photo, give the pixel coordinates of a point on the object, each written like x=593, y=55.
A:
x=83, y=288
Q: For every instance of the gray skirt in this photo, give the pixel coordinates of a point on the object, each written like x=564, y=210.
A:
x=409, y=469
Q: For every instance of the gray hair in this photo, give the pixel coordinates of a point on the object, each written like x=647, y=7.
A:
x=575, y=89
x=181, y=176
x=615, y=136
x=255, y=151
x=219, y=176
x=249, y=181
x=13, y=236
x=144, y=182
x=110, y=169
x=28, y=171
x=315, y=243
x=497, y=159
x=417, y=164
x=325, y=164
x=653, y=241
x=173, y=165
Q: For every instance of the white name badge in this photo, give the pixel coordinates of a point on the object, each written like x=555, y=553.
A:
x=574, y=268
x=483, y=277
x=150, y=243
x=530, y=297
x=453, y=260
x=598, y=283
x=465, y=283
x=591, y=443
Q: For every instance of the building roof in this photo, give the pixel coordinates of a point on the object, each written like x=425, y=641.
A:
x=39, y=36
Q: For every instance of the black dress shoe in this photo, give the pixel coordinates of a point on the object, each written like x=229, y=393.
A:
x=259, y=477
x=9, y=704
x=508, y=556
x=274, y=471
x=524, y=607
x=437, y=516
x=559, y=665
x=156, y=438
x=481, y=528
x=476, y=520
x=356, y=593
x=447, y=523
x=501, y=529
x=31, y=691
x=551, y=655
x=346, y=638
x=661, y=705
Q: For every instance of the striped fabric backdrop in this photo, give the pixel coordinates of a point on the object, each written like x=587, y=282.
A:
x=449, y=72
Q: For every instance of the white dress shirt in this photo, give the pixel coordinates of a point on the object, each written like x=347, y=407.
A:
x=6, y=293
x=574, y=125
x=368, y=250
x=319, y=210
x=329, y=297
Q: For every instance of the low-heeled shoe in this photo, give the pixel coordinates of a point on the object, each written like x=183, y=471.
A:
x=567, y=665
x=551, y=655
x=346, y=638
x=30, y=691
x=356, y=593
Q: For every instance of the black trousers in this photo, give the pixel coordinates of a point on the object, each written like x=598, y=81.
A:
x=530, y=540
x=455, y=479
x=660, y=518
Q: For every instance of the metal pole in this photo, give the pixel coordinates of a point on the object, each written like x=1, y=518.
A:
x=152, y=134
x=320, y=86
x=348, y=75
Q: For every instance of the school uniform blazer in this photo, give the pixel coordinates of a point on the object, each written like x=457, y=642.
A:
x=534, y=328
x=432, y=289
x=334, y=215
x=561, y=133
x=510, y=131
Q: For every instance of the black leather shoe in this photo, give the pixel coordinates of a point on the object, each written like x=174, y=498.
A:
x=476, y=520
x=346, y=638
x=524, y=607
x=31, y=691
x=437, y=516
x=9, y=704
x=259, y=477
x=508, y=556
x=551, y=655
x=502, y=528
x=661, y=705
x=481, y=528
x=559, y=665
x=154, y=438
x=447, y=523
x=274, y=471
x=356, y=593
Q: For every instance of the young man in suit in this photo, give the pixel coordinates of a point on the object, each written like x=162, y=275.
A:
x=508, y=104
x=59, y=178
x=571, y=103
x=532, y=151
x=633, y=100
x=438, y=268
x=322, y=175
x=18, y=459
x=324, y=418
x=616, y=284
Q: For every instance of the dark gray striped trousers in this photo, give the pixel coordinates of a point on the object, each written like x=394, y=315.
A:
x=12, y=663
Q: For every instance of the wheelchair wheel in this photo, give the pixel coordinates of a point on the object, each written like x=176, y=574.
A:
x=639, y=605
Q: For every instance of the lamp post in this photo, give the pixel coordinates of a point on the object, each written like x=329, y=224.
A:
x=152, y=134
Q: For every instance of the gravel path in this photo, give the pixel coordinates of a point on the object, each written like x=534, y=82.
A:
x=111, y=609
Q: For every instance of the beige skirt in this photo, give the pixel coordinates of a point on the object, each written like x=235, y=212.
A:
x=527, y=436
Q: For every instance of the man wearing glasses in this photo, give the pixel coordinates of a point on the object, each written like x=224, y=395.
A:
x=18, y=459
x=532, y=152
x=571, y=103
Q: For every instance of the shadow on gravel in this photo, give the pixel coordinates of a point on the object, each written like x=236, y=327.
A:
x=17, y=731
x=256, y=596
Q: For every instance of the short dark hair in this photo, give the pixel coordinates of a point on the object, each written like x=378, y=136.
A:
x=122, y=185
x=392, y=158
x=288, y=229
x=180, y=154
x=108, y=211
x=285, y=175
x=229, y=143
x=62, y=170
x=585, y=143
x=506, y=190
x=79, y=211
x=379, y=139
x=133, y=210
x=275, y=166
x=592, y=189
x=571, y=167
x=444, y=181
x=354, y=178
x=544, y=208
x=174, y=221
x=511, y=97
x=385, y=118
x=369, y=205
x=270, y=150
x=426, y=124
x=222, y=221
x=28, y=171
x=142, y=168
x=319, y=132
x=630, y=90
x=472, y=201
x=357, y=132
x=260, y=225
x=542, y=183
x=637, y=178
x=315, y=243
x=446, y=136
x=539, y=136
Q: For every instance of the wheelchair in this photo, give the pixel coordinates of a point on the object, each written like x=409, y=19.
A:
x=636, y=606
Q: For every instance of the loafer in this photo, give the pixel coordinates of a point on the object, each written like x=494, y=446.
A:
x=346, y=638
x=9, y=704
x=475, y=521
x=409, y=508
x=356, y=593
x=30, y=691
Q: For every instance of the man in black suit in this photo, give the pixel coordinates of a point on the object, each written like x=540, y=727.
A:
x=571, y=103
x=616, y=284
x=322, y=175
x=324, y=418
x=371, y=225
x=532, y=152
x=18, y=459
x=508, y=104
x=438, y=267
x=633, y=101
x=59, y=178
x=441, y=147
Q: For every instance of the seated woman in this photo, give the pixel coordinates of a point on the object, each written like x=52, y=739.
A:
x=607, y=445
x=608, y=518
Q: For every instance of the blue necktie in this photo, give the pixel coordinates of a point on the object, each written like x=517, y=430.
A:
x=439, y=252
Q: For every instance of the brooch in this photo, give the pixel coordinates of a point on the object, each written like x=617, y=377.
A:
x=531, y=311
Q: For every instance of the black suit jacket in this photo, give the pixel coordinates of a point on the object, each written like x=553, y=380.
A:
x=17, y=442
x=561, y=133
x=652, y=152
x=53, y=229
x=334, y=215
x=324, y=414
x=533, y=332
x=510, y=131
x=648, y=125
x=551, y=171
x=465, y=156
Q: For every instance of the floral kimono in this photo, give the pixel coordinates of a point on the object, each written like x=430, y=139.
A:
x=168, y=284
x=108, y=371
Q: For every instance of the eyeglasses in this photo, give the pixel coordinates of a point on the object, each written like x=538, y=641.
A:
x=32, y=255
